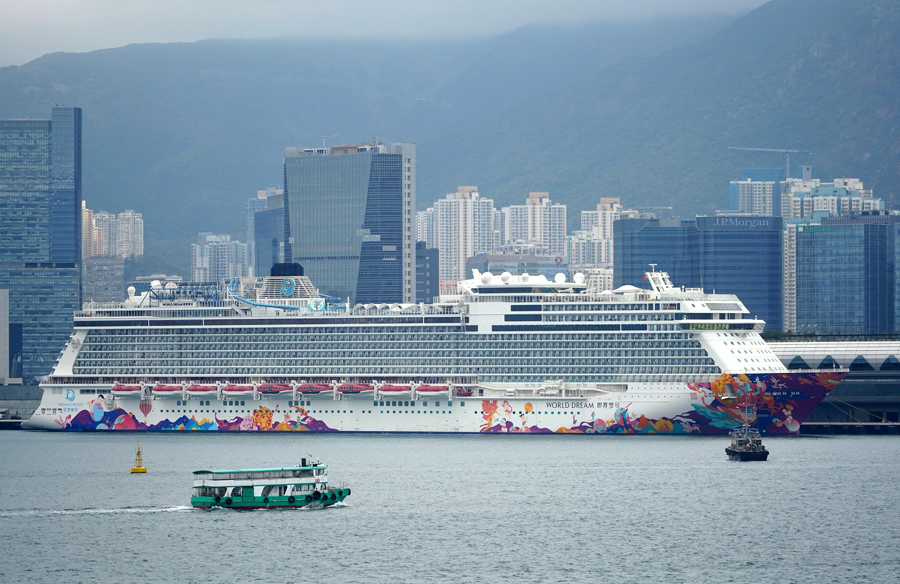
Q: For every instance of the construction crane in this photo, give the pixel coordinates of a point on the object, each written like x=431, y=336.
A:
x=787, y=155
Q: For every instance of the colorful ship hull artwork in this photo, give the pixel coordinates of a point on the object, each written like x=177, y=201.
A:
x=706, y=408
x=508, y=354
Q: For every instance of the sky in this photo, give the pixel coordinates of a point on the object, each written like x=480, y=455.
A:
x=31, y=28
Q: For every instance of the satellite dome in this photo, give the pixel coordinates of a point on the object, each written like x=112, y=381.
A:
x=171, y=285
x=487, y=277
x=156, y=284
x=559, y=278
x=579, y=278
x=525, y=277
x=505, y=277
x=131, y=291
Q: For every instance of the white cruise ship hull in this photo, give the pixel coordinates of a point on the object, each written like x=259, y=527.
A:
x=783, y=401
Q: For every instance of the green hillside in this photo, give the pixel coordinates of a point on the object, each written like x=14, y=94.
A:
x=818, y=75
x=187, y=132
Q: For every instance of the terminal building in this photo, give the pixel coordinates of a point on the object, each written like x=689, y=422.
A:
x=869, y=395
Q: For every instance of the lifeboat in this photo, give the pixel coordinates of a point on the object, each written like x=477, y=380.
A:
x=201, y=389
x=354, y=388
x=166, y=389
x=237, y=389
x=314, y=388
x=432, y=389
x=394, y=389
x=273, y=388
x=463, y=392
x=126, y=390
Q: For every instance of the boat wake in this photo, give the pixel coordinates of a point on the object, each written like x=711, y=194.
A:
x=123, y=510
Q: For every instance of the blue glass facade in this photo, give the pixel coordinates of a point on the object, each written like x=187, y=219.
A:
x=846, y=275
x=40, y=235
x=728, y=255
x=427, y=273
x=268, y=240
x=344, y=222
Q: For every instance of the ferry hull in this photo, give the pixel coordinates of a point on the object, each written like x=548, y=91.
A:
x=332, y=497
x=783, y=401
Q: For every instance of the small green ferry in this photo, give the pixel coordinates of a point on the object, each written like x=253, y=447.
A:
x=305, y=485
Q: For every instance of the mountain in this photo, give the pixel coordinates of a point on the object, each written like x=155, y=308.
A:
x=817, y=75
x=186, y=132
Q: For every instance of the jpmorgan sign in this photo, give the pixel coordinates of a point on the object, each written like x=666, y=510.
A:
x=743, y=222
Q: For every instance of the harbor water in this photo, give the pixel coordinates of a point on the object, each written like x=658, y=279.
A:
x=455, y=508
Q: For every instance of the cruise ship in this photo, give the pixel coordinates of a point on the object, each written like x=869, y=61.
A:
x=506, y=353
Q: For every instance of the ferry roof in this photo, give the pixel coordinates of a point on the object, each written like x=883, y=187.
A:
x=259, y=469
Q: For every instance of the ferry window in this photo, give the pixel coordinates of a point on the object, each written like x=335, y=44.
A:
x=437, y=404
x=393, y=404
x=374, y=403
x=425, y=403
x=406, y=404
x=462, y=403
x=449, y=404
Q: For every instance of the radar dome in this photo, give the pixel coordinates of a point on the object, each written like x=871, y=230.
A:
x=559, y=278
x=487, y=277
x=171, y=285
x=506, y=277
x=156, y=284
x=579, y=278
x=525, y=277
x=131, y=291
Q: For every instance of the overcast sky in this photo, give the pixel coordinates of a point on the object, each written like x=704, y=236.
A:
x=31, y=28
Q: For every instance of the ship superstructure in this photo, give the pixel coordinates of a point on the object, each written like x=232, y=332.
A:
x=506, y=353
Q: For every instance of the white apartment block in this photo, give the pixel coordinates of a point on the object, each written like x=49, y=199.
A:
x=754, y=197
x=425, y=227
x=109, y=235
x=538, y=222
x=802, y=198
x=130, y=236
x=215, y=258
x=463, y=227
x=593, y=244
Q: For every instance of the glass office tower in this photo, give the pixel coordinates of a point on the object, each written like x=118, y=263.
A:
x=348, y=219
x=40, y=235
x=729, y=254
x=846, y=275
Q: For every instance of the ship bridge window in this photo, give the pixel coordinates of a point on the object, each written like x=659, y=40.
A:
x=828, y=363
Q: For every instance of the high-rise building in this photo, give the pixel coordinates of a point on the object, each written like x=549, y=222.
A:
x=425, y=227
x=463, y=227
x=538, y=223
x=40, y=235
x=255, y=205
x=113, y=236
x=129, y=234
x=593, y=244
x=846, y=275
x=91, y=235
x=215, y=258
x=268, y=233
x=349, y=219
x=103, y=280
x=40, y=186
x=710, y=253
x=752, y=197
x=803, y=198
x=427, y=273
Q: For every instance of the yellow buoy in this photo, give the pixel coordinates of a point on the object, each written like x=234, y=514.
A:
x=138, y=460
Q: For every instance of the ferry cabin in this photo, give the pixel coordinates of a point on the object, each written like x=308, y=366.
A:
x=264, y=487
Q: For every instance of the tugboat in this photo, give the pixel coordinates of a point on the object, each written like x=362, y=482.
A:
x=746, y=443
x=305, y=485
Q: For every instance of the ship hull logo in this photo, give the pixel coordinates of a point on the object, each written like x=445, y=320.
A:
x=70, y=395
x=287, y=286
